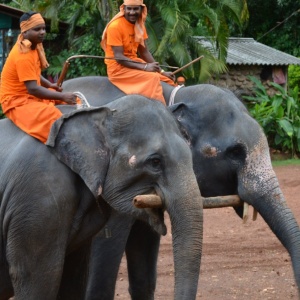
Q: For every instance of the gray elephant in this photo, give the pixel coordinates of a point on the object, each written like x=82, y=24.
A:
x=54, y=198
x=230, y=156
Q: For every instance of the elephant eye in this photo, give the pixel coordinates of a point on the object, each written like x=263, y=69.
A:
x=237, y=152
x=154, y=162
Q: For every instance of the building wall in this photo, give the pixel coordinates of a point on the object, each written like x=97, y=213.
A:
x=236, y=79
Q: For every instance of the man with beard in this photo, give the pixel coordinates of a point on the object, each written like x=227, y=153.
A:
x=134, y=70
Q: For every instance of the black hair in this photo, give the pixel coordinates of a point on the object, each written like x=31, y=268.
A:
x=27, y=16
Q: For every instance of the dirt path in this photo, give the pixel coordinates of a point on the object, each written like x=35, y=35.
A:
x=239, y=261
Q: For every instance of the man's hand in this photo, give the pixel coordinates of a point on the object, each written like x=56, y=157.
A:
x=55, y=87
x=152, y=67
x=169, y=75
x=69, y=98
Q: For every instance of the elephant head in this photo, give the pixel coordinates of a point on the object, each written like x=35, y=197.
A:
x=231, y=156
x=136, y=149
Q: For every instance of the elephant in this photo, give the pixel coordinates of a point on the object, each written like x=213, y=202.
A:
x=230, y=157
x=56, y=197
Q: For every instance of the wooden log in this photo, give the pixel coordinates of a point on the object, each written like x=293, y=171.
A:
x=152, y=200
x=222, y=201
x=147, y=201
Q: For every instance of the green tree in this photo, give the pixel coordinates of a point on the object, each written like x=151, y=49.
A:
x=275, y=23
x=170, y=24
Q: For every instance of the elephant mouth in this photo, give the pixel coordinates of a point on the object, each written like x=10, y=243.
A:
x=156, y=220
x=153, y=206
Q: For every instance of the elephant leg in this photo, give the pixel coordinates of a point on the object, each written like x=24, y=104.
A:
x=35, y=249
x=35, y=276
x=75, y=273
x=6, y=289
x=141, y=253
x=106, y=256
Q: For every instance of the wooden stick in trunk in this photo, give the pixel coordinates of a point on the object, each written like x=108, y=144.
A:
x=147, y=201
x=154, y=201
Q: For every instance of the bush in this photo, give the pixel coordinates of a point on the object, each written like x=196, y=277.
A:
x=279, y=115
x=294, y=76
x=2, y=116
x=81, y=66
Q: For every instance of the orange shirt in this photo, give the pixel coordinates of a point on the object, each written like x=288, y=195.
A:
x=131, y=81
x=18, y=68
x=33, y=115
x=121, y=33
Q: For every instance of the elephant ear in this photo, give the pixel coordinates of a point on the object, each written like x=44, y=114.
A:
x=79, y=140
x=179, y=110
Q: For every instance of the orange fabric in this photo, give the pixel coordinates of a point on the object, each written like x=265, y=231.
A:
x=35, y=118
x=121, y=33
x=33, y=115
x=24, y=45
x=134, y=2
x=131, y=81
x=33, y=21
x=139, y=26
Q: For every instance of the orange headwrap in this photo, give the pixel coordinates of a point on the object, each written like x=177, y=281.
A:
x=139, y=25
x=24, y=45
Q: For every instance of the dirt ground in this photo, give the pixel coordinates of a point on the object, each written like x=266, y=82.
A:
x=239, y=261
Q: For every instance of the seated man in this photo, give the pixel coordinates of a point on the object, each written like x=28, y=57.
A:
x=27, y=98
x=124, y=38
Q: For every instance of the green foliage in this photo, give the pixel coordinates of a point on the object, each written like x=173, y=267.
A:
x=294, y=76
x=79, y=66
x=287, y=162
x=279, y=115
x=170, y=24
x=275, y=23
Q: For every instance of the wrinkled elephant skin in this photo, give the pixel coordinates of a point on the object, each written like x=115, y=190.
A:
x=56, y=197
x=230, y=156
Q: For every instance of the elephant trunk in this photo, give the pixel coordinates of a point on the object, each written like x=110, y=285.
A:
x=186, y=215
x=282, y=222
x=258, y=186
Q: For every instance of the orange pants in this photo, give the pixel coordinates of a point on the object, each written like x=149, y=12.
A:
x=132, y=81
x=35, y=118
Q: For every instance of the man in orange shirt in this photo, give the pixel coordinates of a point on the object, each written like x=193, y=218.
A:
x=27, y=98
x=124, y=38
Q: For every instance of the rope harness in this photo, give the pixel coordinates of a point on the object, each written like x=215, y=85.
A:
x=84, y=103
x=172, y=96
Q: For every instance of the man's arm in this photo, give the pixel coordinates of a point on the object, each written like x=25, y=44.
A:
x=150, y=66
x=49, y=85
x=43, y=93
x=147, y=56
x=144, y=53
x=44, y=82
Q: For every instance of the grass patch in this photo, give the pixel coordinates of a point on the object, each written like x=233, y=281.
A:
x=286, y=162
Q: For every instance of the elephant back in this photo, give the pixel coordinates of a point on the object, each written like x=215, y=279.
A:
x=98, y=90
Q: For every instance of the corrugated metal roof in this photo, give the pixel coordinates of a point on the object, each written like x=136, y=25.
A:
x=247, y=51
